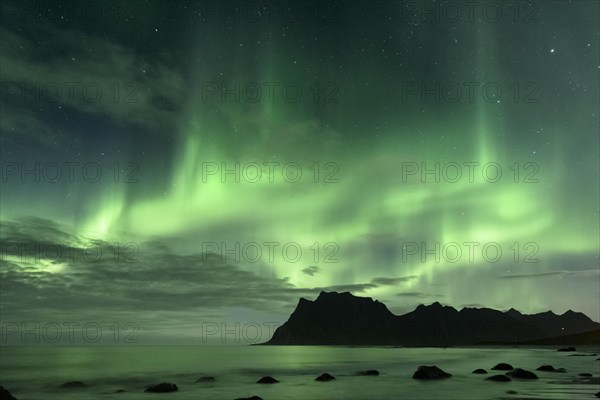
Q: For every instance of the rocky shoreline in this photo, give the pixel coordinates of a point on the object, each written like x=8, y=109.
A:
x=505, y=373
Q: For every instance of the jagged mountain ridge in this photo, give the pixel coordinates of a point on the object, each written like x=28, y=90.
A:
x=344, y=319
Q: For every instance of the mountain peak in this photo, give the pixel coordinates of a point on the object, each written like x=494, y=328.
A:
x=342, y=298
x=569, y=312
x=549, y=312
x=325, y=294
x=433, y=306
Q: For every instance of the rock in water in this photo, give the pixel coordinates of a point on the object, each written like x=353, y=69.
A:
x=325, y=377
x=250, y=398
x=502, y=367
x=522, y=374
x=567, y=349
x=430, y=372
x=586, y=374
x=267, y=379
x=369, y=372
x=5, y=394
x=73, y=385
x=480, y=371
x=164, y=387
x=206, y=379
x=498, y=378
x=547, y=368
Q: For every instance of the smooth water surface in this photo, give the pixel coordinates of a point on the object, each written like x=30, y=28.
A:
x=36, y=372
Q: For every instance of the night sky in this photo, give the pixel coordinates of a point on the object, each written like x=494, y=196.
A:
x=118, y=120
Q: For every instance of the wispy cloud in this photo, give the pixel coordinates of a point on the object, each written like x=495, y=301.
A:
x=157, y=280
x=353, y=288
x=86, y=74
x=311, y=271
x=564, y=273
x=382, y=281
x=419, y=295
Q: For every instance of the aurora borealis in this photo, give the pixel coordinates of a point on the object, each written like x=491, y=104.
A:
x=363, y=134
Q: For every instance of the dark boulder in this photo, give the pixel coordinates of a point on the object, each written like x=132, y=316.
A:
x=586, y=374
x=522, y=374
x=165, y=387
x=498, y=378
x=73, y=385
x=480, y=371
x=369, y=372
x=5, y=394
x=325, y=377
x=567, y=349
x=250, y=398
x=550, y=368
x=502, y=367
x=206, y=379
x=430, y=372
x=267, y=379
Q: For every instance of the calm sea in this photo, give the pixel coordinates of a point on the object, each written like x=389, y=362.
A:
x=35, y=372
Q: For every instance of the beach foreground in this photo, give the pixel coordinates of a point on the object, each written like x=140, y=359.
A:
x=120, y=372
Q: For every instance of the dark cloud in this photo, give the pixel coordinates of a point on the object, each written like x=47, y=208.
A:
x=362, y=287
x=125, y=85
x=382, y=281
x=354, y=288
x=153, y=280
x=590, y=272
x=311, y=271
x=419, y=295
x=156, y=279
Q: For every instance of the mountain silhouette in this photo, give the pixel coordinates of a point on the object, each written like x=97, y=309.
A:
x=344, y=319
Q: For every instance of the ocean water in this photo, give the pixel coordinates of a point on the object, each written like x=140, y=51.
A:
x=35, y=372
